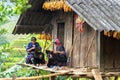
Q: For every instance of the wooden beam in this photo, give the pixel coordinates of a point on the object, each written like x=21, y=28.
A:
x=33, y=26
x=96, y=74
x=75, y=72
x=38, y=77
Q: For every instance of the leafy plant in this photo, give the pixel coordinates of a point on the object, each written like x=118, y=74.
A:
x=3, y=31
x=10, y=7
x=21, y=6
x=3, y=57
x=6, y=47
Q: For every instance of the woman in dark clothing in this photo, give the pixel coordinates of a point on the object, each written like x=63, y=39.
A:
x=60, y=51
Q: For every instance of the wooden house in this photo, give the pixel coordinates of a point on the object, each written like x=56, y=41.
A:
x=86, y=48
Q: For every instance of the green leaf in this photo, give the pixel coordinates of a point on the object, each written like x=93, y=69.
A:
x=29, y=6
x=7, y=10
x=1, y=8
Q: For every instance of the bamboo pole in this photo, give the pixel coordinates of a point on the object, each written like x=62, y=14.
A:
x=38, y=77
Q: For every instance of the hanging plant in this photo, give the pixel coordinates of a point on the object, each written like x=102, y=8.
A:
x=79, y=23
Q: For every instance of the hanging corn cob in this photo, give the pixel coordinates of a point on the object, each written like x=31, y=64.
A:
x=56, y=5
x=45, y=36
x=66, y=8
x=105, y=33
x=115, y=34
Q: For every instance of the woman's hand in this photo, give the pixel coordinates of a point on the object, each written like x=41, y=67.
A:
x=58, y=52
x=32, y=48
x=54, y=52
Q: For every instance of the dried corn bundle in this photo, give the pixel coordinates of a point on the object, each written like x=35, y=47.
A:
x=66, y=8
x=113, y=34
x=105, y=33
x=56, y=5
x=45, y=36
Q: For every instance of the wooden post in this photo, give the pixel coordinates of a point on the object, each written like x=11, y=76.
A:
x=14, y=77
x=75, y=77
x=100, y=54
x=116, y=78
x=106, y=78
x=96, y=74
x=38, y=72
x=52, y=77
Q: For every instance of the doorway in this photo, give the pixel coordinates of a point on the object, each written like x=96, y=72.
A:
x=60, y=32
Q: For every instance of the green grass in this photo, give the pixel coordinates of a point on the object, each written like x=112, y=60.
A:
x=13, y=59
x=18, y=53
x=7, y=65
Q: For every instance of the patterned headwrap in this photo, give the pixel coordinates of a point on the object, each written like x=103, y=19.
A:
x=57, y=42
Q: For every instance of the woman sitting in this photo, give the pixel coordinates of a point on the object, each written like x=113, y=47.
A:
x=35, y=56
x=59, y=57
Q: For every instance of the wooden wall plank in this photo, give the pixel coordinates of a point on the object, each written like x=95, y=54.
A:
x=84, y=46
x=86, y=37
x=68, y=31
x=76, y=49
x=92, y=53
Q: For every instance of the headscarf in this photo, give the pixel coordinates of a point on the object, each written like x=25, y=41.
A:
x=57, y=42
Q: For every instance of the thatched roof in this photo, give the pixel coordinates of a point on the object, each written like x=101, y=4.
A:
x=34, y=20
